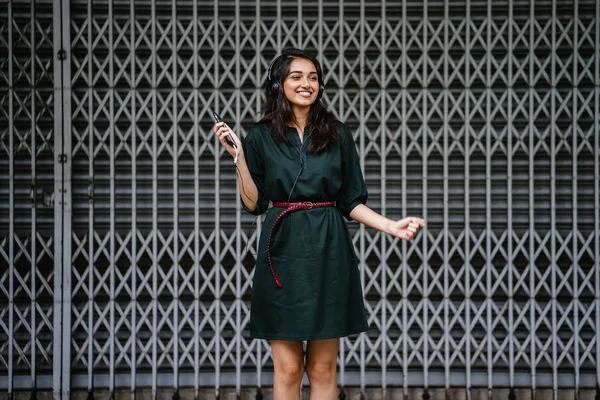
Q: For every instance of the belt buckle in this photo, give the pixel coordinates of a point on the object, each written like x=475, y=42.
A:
x=308, y=205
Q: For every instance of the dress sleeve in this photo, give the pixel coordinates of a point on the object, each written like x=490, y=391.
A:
x=354, y=190
x=255, y=160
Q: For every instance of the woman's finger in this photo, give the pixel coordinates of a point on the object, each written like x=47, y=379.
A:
x=222, y=132
x=218, y=125
x=222, y=137
x=224, y=129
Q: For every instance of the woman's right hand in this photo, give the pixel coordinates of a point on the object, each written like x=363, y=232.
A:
x=221, y=130
x=406, y=228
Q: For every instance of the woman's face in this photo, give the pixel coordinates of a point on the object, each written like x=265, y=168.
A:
x=301, y=85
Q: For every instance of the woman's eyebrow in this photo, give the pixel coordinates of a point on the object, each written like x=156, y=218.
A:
x=300, y=72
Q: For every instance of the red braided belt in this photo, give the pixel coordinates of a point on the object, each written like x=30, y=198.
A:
x=289, y=207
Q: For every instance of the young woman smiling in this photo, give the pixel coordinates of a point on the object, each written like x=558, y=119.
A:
x=306, y=283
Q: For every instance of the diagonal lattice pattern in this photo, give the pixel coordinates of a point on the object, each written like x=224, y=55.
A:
x=27, y=182
x=481, y=116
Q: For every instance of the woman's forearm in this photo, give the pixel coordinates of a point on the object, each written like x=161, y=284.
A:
x=370, y=218
x=248, y=190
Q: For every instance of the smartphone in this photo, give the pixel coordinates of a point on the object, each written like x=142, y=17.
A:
x=228, y=138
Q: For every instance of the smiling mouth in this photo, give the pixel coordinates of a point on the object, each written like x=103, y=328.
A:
x=304, y=93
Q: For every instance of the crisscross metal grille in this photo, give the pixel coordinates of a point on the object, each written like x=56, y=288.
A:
x=27, y=182
x=481, y=116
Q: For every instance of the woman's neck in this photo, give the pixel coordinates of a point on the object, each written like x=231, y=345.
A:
x=300, y=118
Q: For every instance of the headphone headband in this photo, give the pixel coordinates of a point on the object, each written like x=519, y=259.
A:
x=271, y=67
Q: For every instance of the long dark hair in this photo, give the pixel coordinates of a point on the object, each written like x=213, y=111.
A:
x=323, y=126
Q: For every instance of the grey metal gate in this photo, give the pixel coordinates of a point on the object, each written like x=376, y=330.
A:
x=125, y=260
x=29, y=249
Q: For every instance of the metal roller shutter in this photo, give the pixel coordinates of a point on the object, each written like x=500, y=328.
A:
x=481, y=116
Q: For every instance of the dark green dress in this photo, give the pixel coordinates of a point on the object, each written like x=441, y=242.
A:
x=312, y=250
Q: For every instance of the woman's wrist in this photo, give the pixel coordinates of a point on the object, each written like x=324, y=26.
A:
x=372, y=219
x=241, y=159
x=388, y=227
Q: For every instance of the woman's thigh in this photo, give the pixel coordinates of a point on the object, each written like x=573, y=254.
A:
x=287, y=354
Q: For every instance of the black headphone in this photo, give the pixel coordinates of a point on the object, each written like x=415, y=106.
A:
x=275, y=85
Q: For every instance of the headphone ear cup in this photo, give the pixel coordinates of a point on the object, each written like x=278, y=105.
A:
x=321, y=90
x=275, y=87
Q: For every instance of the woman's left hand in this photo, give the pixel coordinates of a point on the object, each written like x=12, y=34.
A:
x=406, y=228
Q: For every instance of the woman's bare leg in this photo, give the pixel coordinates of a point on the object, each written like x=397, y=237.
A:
x=321, y=367
x=288, y=362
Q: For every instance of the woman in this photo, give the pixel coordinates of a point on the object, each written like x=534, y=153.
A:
x=306, y=283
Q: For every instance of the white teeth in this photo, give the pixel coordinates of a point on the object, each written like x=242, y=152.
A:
x=306, y=94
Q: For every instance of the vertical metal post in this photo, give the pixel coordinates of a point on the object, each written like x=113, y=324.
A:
x=467, y=161
x=553, y=232
x=65, y=239
x=134, y=229
x=361, y=132
x=11, y=201
x=382, y=183
x=62, y=205
x=175, y=266
x=299, y=42
x=532, y=243
x=424, y=111
x=509, y=185
x=217, y=243
x=91, y=200
x=154, y=128
x=33, y=231
x=488, y=198
x=597, y=186
x=404, y=265
x=196, y=261
x=575, y=232
x=238, y=222
x=112, y=258
x=446, y=226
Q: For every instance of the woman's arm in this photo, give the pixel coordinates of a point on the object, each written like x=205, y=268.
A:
x=405, y=228
x=248, y=189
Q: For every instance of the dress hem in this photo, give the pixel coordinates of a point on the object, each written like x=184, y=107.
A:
x=322, y=336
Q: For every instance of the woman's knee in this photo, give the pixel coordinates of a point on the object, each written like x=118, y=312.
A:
x=289, y=372
x=321, y=361
x=321, y=371
x=288, y=360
